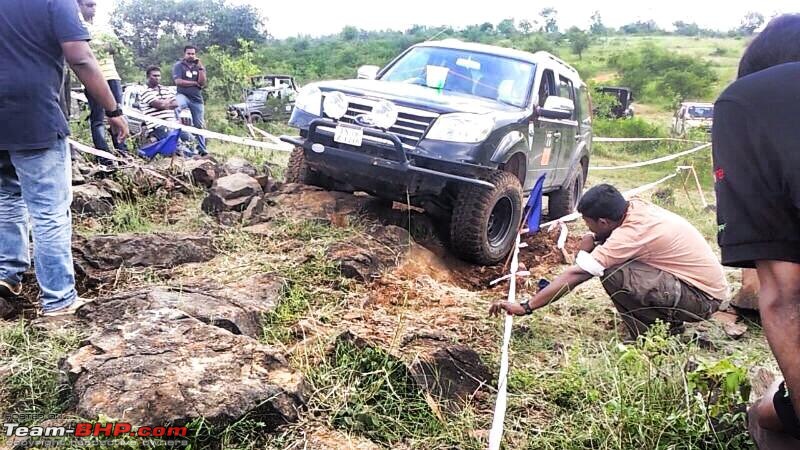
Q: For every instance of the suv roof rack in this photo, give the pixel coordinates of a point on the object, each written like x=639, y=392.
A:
x=556, y=59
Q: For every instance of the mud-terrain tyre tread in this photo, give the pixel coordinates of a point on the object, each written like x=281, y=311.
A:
x=298, y=171
x=470, y=216
x=563, y=201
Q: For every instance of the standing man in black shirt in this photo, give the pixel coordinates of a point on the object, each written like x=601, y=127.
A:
x=756, y=141
x=189, y=75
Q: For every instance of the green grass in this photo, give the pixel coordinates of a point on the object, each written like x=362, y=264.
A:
x=32, y=383
x=615, y=396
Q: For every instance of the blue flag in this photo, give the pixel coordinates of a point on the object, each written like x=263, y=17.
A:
x=164, y=147
x=533, y=210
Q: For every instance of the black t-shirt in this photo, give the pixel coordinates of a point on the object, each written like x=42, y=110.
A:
x=32, y=70
x=185, y=71
x=756, y=138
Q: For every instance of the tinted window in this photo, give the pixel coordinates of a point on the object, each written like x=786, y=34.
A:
x=547, y=86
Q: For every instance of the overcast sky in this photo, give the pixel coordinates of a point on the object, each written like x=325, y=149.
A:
x=321, y=17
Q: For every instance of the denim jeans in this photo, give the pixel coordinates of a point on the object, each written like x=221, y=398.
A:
x=198, y=111
x=97, y=119
x=36, y=183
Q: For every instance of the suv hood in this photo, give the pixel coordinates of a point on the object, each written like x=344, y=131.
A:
x=416, y=96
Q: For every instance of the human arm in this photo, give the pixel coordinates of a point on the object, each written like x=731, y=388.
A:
x=164, y=104
x=573, y=277
x=201, y=74
x=177, y=77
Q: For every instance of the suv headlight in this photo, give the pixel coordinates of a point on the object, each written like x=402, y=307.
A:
x=384, y=114
x=461, y=127
x=309, y=99
x=335, y=105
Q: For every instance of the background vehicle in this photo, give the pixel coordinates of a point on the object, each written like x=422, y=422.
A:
x=264, y=104
x=624, y=97
x=692, y=115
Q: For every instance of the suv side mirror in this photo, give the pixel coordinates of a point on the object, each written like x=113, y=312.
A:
x=368, y=72
x=557, y=108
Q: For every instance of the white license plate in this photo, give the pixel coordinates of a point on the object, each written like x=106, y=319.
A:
x=348, y=135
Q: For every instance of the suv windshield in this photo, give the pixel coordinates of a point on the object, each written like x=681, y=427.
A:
x=701, y=112
x=493, y=77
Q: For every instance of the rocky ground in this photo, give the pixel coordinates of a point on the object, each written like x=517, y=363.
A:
x=236, y=318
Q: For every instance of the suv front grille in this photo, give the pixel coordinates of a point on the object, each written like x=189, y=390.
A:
x=411, y=125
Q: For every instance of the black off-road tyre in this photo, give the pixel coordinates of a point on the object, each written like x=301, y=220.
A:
x=484, y=222
x=565, y=200
x=298, y=171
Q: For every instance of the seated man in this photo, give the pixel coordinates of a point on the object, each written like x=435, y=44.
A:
x=158, y=102
x=653, y=264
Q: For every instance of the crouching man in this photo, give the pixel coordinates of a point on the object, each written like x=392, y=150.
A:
x=652, y=263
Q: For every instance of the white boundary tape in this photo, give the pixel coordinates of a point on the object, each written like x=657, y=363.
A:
x=612, y=139
x=282, y=147
x=653, y=161
x=96, y=152
x=496, y=433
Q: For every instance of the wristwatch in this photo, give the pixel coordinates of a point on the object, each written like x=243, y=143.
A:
x=526, y=307
x=115, y=113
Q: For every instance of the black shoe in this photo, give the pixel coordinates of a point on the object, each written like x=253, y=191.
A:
x=9, y=289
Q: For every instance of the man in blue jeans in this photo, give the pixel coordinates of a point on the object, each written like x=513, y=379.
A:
x=35, y=38
x=104, y=45
x=189, y=76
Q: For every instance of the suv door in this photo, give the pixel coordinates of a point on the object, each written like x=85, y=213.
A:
x=568, y=131
x=544, y=136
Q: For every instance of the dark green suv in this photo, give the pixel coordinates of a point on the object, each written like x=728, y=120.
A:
x=462, y=130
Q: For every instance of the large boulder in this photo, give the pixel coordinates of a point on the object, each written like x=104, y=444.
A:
x=238, y=308
x=91, y=200
x=202, y=172
x=157, y=250
x=169, y=355
x=163, y=367
x=365, y=256
x=231, y=193
x=235, y=186
x=236, y=164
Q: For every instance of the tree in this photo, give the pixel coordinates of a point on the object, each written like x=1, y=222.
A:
x=640, y=27
x=349, y=33
x=669, y=75
x=525, y=26
x=507, y=28
x=578, y=41
x=597, y=27
x=750, y=23
x=143, y=24
x=550, y=20
x=686, y=29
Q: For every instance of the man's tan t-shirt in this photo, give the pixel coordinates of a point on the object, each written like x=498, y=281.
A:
x=664, y=240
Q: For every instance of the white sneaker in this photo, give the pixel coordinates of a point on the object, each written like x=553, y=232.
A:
x=67, y=310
